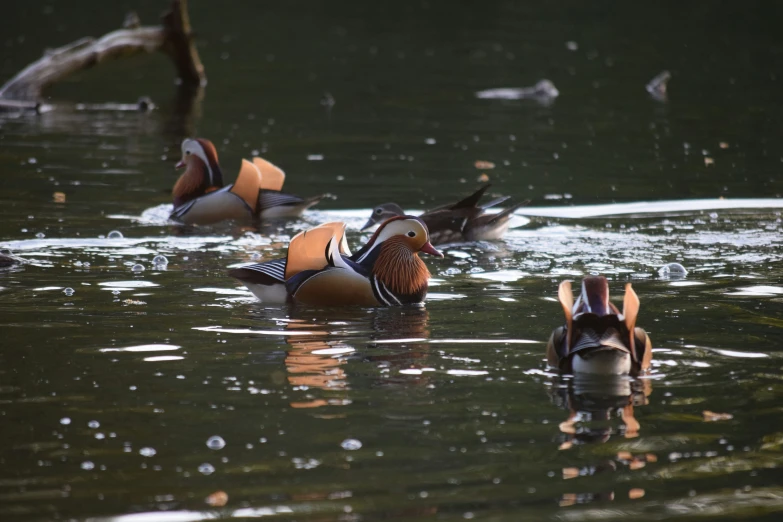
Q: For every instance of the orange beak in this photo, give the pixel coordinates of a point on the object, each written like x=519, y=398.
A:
x=427, y=248
x=180, y=164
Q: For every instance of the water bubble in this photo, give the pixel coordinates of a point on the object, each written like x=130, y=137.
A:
x=65, y=421
x=160, y=260
x=115, y=234
x=87, y=465
x=672, y=270
x=206, y=469
x=216, y=442
x=94, y=424
x=69, y=291
x=40, y=235
x=100, y=436
x=255, y=256
x=86, y=264
x=351, y=444
x=137, y=268
x=147, y=452
x=115, y=292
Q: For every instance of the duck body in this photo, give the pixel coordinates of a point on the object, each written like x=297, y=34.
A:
x=200, y=197
x=458, y=222
x=597, y=338
x=320, y=269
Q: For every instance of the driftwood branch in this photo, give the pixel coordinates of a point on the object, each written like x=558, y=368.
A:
x=174, y=38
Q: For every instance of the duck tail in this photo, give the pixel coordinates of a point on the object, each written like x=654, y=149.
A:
x=505, y=214
x=472, y=200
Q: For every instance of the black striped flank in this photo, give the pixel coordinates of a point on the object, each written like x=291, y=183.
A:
x=272, y=198
x=268, y=273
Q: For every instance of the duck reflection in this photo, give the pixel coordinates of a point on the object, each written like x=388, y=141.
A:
x=317, y=360
x=592, y=399
x=594, y=403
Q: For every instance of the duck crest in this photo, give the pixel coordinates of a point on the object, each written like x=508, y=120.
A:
x=399, y=269
x=216, y=175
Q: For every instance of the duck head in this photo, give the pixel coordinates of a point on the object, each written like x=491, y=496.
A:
x=392, y=254
x=202, y=171
x=383, y=212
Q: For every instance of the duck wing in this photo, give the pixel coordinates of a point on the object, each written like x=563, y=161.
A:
x=272, y=176
x=311, y=249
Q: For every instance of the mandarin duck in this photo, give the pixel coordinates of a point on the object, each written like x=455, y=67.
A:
x=456, y=222
x=320, y=270
x=200, y=198
x=597, y=338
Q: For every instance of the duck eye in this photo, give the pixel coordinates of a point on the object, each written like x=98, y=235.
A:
x=379, y=211
x=411, y=234
x=187, y=152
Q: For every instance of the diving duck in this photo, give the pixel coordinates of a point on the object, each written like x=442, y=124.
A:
x=462, y=221
x=320, y=270
x=597, y=338
x=200, y=198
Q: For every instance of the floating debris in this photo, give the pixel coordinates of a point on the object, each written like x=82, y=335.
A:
x=217, y=499
x=483, y=178
x=657, y=86
x=711, y=416
x=58, y=197
x=544, y=92
x=708, y=161
x=484, y=165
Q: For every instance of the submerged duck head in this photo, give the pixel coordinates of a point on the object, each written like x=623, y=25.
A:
x=202, y=171
x=383, y=212
x=597, y=337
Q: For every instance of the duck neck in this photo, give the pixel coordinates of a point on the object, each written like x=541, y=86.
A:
x=192, y=184
x=399, y=269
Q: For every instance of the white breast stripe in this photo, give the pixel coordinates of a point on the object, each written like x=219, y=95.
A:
x=379, y=293
x=364, y=256
x=390, y=294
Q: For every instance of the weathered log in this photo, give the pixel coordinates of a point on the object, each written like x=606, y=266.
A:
x=173, y=38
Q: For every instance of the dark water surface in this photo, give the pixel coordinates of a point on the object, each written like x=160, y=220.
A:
x=111, y=394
